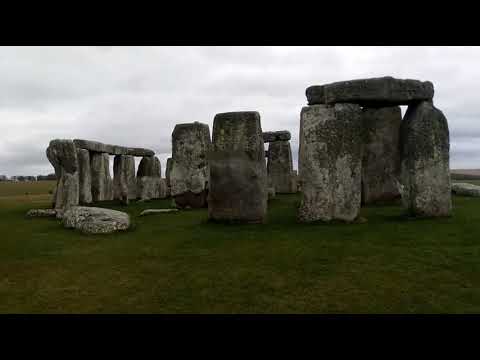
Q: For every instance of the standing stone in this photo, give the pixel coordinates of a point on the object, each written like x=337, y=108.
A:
x=238, y=173
x=381, y=156
x=425, y=161
x=148, y=178
x=330, y=162
x=188, y=174
x=85, y=176
x=280, y=167
x=102, y=184
x=62, y=155
x=124, y=183
x=168, y=170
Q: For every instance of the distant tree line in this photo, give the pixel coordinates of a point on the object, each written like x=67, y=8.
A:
x=22, y=178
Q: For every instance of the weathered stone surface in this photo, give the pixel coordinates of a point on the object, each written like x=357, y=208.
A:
x=280, y=167
x=188, y=171
x=163, y=190
x=238, y=173
x=102, y=184
x=124, y=182
x=425, y=161
x=62, y=155
x=381, y=155
x=157, y=211
x=111, y=149
x=149, y=182
x=294, y=180
x=373, y=92
x=330, y=162
x=466, y=189
x=271, y=193
x=93, y=220
x=85, y=176
x=41, y=213
x=168, y=170
x=149, y=166
x=270, y=136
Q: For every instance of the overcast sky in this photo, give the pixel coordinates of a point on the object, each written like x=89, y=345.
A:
x=134, y=96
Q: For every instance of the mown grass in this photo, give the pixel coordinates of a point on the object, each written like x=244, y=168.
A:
x=180, y=263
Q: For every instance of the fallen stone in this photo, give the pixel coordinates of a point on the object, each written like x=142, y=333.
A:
x=102, y=184
x=94, y=220
x=373, y=92
x=157, y=211
x=238, y=173
x=271, y=136
x=188, y=171
x=280, y=167
x=62, y=155
x=425, y=183
x=381, y=156
x=111, y=149
x=330, y=162
x=466, y=189
x=85, y=176
x=41, y=213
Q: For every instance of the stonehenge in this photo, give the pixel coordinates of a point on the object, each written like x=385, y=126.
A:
x=188, y=173
x=82, y=169
x=409, y=157
x=425, y=162
x=238, y=173
x=330, y=162
x=381, y=154
x=354, y=149
x=374, y=92
x=63, y=156
x=124, y=183
x=102, y=183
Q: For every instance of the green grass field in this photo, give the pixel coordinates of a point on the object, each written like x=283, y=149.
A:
x=180, y=263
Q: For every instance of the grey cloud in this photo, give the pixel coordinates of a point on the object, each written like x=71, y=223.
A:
x=135, y=96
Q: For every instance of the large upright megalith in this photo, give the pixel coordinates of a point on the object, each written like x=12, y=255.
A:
x=330, y=162
x=62, y=155
x=238, y=173
x=149, y=180
x=425, y=161
x=188, y=172
x=280, y=167
x=85, y=176
x=102, y=184
x=381, y=155
x=124, y=182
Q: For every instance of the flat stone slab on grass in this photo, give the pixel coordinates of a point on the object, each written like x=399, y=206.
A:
x=94, y=220
x=157, y=211
x=466, y=189
x=382, y=91
x=41, y=213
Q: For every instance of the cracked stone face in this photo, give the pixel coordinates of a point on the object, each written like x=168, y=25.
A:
x=124, y=182
x=425, y=183
x=102, y=183
x=330, y=162
x=85, y=176
x=381, y=154
x=188, y=173
x=62, y=155
x=238, y=173
x=280, y=167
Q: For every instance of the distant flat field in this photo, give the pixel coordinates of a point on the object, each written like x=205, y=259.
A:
x=475, y=172
x=8, y=188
